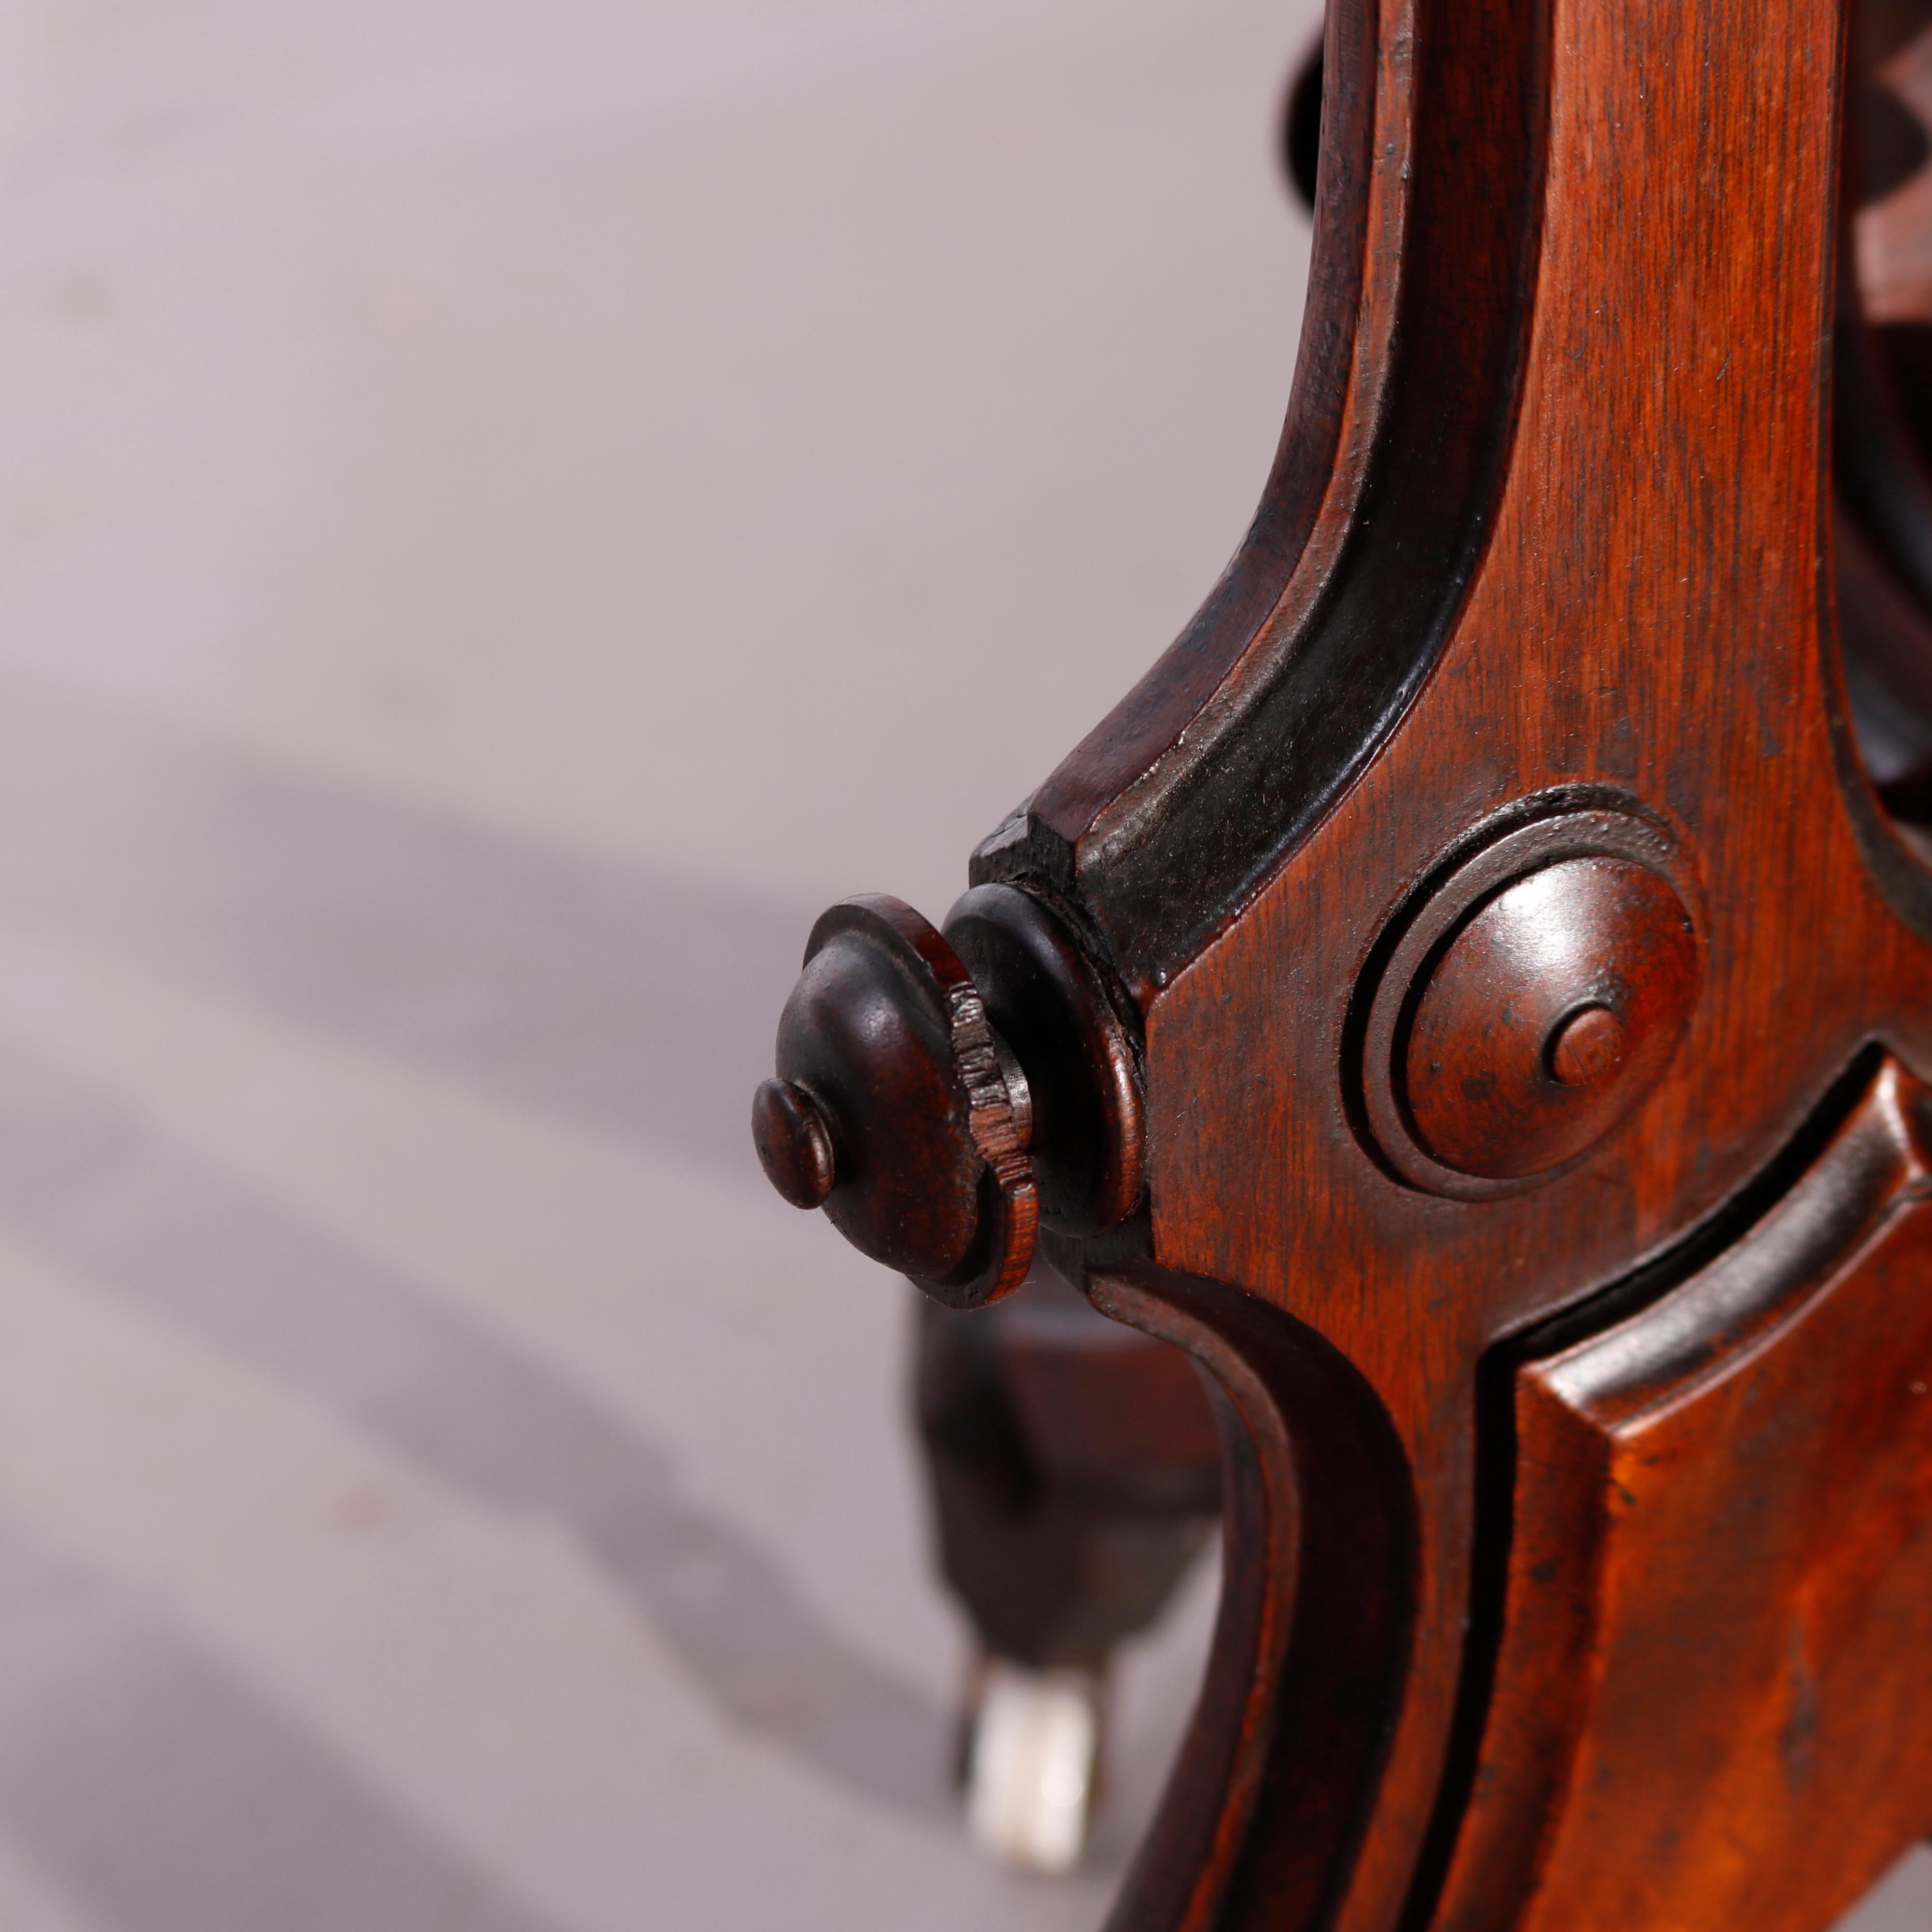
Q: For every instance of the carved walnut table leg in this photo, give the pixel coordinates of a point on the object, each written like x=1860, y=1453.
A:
x=1471, y=997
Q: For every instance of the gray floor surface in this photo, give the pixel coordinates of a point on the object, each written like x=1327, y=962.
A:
x=505, y=509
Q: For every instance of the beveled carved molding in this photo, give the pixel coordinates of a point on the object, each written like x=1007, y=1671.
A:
x=1644, y=1595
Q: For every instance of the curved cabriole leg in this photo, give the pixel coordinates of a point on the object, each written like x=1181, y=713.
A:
x=1455, y=926
x=1267, y=1802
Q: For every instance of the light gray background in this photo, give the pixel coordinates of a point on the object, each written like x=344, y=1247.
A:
x=506, y=507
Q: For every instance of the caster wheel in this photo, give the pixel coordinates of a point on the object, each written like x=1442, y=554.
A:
x=1032, y=1750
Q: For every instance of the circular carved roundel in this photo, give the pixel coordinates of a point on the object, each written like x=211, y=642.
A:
x=1532, y=997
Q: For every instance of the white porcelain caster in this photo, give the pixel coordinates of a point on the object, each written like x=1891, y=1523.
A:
x=1032, y=1754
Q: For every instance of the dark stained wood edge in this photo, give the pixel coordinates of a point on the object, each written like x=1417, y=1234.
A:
x=1170, y=815
x=1268, y=1799
x=1151, y=719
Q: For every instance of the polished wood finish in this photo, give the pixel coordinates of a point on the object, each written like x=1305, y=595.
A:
x=897, y=1107
x=1549, y=1017
x=1533, y=923
x=1520, y=918
x=1048, y=1001
x=1720, y=1565
x=793, y=1139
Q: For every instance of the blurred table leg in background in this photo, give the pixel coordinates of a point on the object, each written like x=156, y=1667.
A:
x=1074, y=1473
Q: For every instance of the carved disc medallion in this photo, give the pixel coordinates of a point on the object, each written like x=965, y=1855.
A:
x=1531, y=997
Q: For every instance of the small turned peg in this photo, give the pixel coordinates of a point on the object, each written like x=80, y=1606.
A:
x=1586, y=1046
x=898, y=1109
x=794, y=1145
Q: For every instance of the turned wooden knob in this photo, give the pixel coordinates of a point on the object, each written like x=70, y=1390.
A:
x=897, y=1109
x=940, y=1094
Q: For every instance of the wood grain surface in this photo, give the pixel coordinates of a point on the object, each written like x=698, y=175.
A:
x=1644, y=626
x=1533, y=991
x=1702, y=1712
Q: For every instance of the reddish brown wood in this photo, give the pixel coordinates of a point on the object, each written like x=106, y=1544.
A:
x=1588, y=1047
x=1720, y=1565
x=1549, y=1017
x=1525, y=987
x=1634, y=623
x=898, y=1108
x=793, y=1142
x=1532, y=922
x=1270, y=1799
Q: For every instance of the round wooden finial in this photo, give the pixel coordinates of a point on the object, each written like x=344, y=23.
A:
x=941, y=1094
x=897, y=1109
